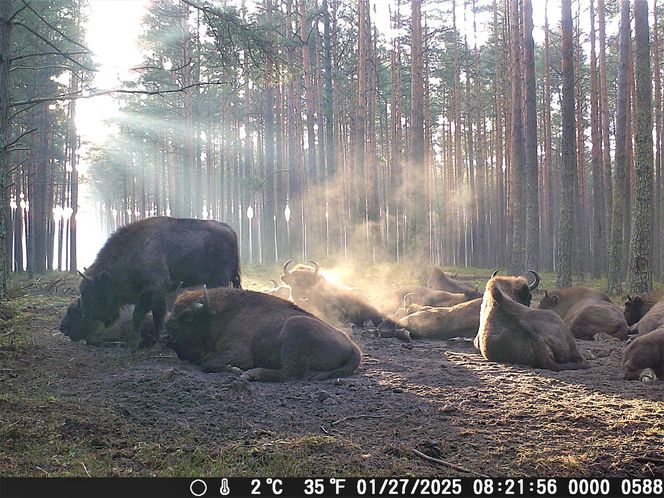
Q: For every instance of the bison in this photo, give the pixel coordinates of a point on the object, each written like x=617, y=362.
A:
x=651, y=321
x=76, y=327
x=334, y=303
x=425, y=296
x=646, y=351
x=587, y=312
x=510, y=332
x=282, y=291
x=268, y=337
x=438, y=280
x=636, y=307
x=462, y=320
x=144, y=260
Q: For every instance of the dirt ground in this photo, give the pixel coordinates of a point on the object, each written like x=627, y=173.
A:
x=71, y=409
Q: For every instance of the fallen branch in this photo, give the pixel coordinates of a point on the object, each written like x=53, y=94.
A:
x=447, y=464
x=355, y=416
x=322, y=428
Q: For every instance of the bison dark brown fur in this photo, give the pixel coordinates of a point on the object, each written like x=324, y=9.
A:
x=77, y=328
x=268, y=337
x=646, y=351
x=587, y=312
x=651, y=321
x=510, y=332
x=144, y=260
x=636, y=307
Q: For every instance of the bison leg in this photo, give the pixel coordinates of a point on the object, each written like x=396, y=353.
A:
x=220, y=361
x=265, y=375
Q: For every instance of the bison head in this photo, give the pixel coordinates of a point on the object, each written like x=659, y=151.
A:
x=189, y=321
x=99, y=301
x=633, y=309
x=74, y=325
x=517, y=288
x=301, y=279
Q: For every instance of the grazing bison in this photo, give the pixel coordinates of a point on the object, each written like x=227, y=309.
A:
x=144, y=260
x=646, y=351
x=268, y=337
x=636, y=307
x=425, y=296
x=510, y=332
x=74, y=326
x=438, y=280
x=587, y=312
x=334, y=303
x=651, y=321
x=462, y=320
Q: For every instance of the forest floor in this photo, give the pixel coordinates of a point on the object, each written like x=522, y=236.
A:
x=68, y=409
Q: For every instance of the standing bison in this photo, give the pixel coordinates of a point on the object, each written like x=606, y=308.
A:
x=587, y=312
x=270, y=338
x=510, y=332
x=144, y=260
x=334, y=303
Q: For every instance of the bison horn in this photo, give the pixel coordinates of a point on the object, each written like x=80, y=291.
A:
x=494, y=274
x=536, y=282
x=408, y=299
x=286, y=272
x=84, y=276
x=206, y=298
x=274, y=282
x=315, y=267
x=629, y=298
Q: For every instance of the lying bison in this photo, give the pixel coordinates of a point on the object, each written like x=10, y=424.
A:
x=462, y=320
x=636, y=307
x=430, y=297
x=144, y=260
x=334, y=303
x=282, y=291
x=268, y=337
x=645, y=351
x=652, y=320
x=438, y=280
x=95, y=333
x=587, y=312
x=510, y=332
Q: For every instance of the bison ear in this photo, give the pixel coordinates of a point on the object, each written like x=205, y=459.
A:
x=637, y=299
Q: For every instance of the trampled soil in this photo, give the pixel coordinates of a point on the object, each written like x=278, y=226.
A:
x=71, y=409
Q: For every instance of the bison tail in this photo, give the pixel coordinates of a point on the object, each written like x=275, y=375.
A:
x=344, y=371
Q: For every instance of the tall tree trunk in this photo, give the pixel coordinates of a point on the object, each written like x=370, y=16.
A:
x=599, y=229
x=531, y=160
x=604, y=115
x=568, y=166
x=517, y=167
x=615, y=274
x=658, y=226
x=640, y=267
x=547, y=164
x=417, y=124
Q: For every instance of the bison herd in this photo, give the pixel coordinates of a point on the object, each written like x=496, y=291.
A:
x=178, y=281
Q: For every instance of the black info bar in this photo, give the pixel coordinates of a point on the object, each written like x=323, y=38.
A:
x=38, y=487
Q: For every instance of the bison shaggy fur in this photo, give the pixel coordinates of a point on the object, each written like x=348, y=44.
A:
x=587, y=312
x=652, y=320
x=646, y=351
x=144, y=260
x=636, y=307
x=510, y=332
x=269, y=338
x=438, y=280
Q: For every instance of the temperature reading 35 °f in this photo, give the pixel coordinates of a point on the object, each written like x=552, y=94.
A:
x=317, y=486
